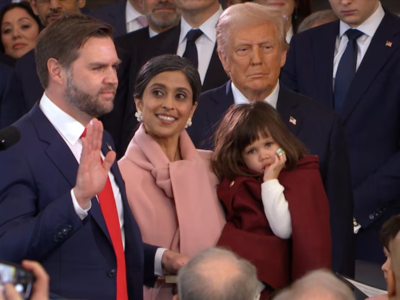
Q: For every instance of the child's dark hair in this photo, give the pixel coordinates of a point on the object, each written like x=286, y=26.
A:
x=242, y=125
x=389, y=231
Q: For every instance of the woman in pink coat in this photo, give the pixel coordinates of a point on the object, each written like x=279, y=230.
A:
x=170, y=185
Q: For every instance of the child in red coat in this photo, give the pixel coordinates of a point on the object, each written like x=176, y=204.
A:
x=276, y=208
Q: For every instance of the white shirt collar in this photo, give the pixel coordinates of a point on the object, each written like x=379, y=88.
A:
x=209, y=27
x=239, y=98
x=69, y=128
x=289, y=35
x=369, y=26
x=131, y=13
x=152, y=33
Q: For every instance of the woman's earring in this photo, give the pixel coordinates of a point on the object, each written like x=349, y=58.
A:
x=139, y=116
x=188, y=123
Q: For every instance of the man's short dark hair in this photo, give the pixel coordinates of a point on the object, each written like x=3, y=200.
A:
x=389, y=231
x=63, y=38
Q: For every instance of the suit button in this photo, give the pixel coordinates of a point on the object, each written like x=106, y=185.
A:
x=69, y=227
x=112, y=273
x=56, y=239
x=65, y=231
x=371, y=216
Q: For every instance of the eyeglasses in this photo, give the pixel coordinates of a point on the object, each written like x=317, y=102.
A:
x=48, y=1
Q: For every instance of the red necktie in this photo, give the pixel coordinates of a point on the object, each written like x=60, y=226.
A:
x=110, y=214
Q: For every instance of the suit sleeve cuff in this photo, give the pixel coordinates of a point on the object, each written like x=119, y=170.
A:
x=82, y=213
x=158, y=270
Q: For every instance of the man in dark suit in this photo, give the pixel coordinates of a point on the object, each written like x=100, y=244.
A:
x=62, y=197
x=161, y=15
x=366, y=39
x=252, y=48
x=125, y=16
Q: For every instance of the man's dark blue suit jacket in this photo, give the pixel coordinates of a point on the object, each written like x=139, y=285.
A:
x=38, y=220
x=371, y=119
x=321, y=132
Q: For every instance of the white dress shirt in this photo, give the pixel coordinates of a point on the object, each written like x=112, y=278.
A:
x=289, y=35
x=369, y=28
x=152, y=33
x=205, y=44
x=239, y=98
x=131, y=15
x=71, y=131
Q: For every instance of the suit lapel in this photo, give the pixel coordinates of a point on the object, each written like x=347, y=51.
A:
x=287, y=108
x=375, y=58
x=324, y=50
x=57, y=150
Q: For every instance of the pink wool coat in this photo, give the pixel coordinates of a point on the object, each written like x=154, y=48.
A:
x=174, y=203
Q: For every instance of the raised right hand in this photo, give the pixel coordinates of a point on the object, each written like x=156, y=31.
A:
x=92, y=172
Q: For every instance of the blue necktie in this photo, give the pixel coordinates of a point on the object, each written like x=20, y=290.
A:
x=191, y=50
x=346, y=69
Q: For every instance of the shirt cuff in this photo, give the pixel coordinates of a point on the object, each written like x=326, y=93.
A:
x=356, y=226
x=158, y=271
x=82, y=213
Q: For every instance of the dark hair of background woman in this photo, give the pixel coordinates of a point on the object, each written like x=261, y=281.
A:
x=168, y=63
x=302, y=11
x=24, y=5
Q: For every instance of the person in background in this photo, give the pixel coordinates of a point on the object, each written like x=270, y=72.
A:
x=161, y=15
x=393, y=277
x=170, y=185
x=20, y=28
x=125, y=16
x=320, y=284
x=217, y=274
x=294, y=11
x=388, y=233
x=316, y=19
x=351, y=65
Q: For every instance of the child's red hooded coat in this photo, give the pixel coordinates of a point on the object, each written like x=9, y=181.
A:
x=248, y=233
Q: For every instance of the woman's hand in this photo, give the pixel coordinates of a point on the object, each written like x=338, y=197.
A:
x=272, y=172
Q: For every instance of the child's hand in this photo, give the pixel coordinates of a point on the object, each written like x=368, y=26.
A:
x=272, y=172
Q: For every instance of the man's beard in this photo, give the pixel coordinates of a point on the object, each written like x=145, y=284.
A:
x=164, y=20
x=88, y=103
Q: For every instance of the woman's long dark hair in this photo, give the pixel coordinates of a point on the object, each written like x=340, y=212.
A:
x=25, y=6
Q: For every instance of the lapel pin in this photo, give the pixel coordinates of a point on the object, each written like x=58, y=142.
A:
x=292, y=120
x=389, y=44
x=109, y=147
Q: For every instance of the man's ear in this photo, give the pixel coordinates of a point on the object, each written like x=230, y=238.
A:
x=224, y=61
x=391, y=284
x=56, y=71
x=33, y=6
x=175, y=297
x=81, y=3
